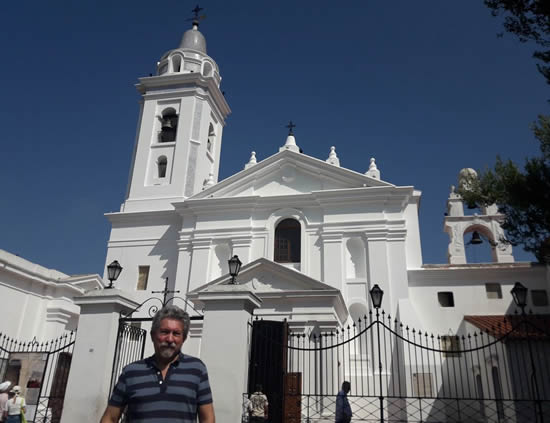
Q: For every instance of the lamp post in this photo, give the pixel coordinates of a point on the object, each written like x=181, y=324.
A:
x=113, y=272
x=519, y=293
x=376, y=295
x=234, y=268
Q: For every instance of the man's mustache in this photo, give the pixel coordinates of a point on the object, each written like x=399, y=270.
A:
x=168, y=345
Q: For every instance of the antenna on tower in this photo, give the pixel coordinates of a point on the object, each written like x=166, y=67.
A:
x=196, y=17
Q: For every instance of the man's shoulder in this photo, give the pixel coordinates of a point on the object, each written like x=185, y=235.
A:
x=139, y=365
x=189, y=360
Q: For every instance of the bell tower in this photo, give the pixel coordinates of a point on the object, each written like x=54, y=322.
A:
x=179, y=134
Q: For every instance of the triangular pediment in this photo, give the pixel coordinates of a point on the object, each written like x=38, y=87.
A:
x=289, y=173
x=282, y=292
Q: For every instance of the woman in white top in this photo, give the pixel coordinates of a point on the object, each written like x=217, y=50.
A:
x=14, y=406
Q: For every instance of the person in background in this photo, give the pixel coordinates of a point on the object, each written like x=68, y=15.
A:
x=4, y=388
x=15, y=406
x=343, y=409
x=258, y=406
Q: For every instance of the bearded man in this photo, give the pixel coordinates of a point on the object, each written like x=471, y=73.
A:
x=168, y=386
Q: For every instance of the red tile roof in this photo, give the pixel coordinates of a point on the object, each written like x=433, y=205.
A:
x=515, y=327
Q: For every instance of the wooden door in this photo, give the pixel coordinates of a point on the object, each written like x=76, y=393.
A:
x=292, y=408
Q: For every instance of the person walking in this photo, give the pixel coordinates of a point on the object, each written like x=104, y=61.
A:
x=343, y=409
x=14, y=407
x=258, y=406
x=4, y=388
x=169, y=386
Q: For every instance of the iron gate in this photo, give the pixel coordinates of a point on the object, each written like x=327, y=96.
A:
x=399, y=374
x=42, y=371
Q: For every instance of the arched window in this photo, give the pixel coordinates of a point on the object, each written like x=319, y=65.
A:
x=287, y=241
x=169, y=128
x=207, y=69
x=161, y=164
x=176, y=64
x=210, y=141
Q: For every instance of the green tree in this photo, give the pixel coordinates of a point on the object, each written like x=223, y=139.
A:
x=522, y=196
x=530, y=21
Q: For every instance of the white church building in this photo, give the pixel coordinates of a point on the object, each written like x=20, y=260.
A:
x=313, y=237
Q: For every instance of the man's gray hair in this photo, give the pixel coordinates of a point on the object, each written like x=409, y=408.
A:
x=171, y=312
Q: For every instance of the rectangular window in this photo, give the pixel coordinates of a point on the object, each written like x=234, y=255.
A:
x=143, y=278
x=493, y=290
x=450, y=344
x=539, y=297
x=422, y=385
x=446, y=299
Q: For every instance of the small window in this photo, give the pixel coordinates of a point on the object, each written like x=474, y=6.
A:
x=422, y=385
x=176, y=64
x=539, y=297
x=450, y=344
x=143, y=278
x=210, y=141
x=446, y=299
x=162, y=163
x=493, y=290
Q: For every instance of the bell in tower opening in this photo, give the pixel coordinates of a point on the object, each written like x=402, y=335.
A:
x=169, y=126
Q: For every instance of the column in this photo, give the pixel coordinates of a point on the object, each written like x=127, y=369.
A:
x=199, y=263
x=378, y=269
x=92, y=362
x=225, y=343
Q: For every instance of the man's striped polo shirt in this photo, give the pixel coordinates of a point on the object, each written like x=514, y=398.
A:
x=173, y=400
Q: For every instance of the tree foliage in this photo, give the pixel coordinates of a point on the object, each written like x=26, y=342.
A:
x=530, y=21
x=522, y=196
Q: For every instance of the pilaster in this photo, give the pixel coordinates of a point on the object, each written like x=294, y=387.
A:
x=92, y=362
x=332, y=259
x=224, y=345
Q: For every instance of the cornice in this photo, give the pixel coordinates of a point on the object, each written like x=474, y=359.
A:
x=140, y=216
x=172, y=81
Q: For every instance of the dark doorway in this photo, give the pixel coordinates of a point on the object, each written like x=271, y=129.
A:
x=268, y=363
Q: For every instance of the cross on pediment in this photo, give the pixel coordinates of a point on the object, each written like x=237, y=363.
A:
x=290, y=127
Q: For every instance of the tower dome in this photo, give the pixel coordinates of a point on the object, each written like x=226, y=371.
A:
x=190, y=57
x=193, y=39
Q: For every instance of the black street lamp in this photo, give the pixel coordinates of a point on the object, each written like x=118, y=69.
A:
x=519, y=293
x=376, y=295
x=113, y=271
x=234, y=268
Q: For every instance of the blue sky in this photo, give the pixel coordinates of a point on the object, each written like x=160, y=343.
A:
x=425, y=87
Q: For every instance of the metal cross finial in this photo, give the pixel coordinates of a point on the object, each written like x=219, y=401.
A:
x=290, y=127
x=165, y=292
x=196, y=11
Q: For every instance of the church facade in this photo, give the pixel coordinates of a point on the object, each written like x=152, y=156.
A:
x=300, y=225
x=314, y=239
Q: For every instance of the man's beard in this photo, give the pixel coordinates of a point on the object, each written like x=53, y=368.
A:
x=167, y=350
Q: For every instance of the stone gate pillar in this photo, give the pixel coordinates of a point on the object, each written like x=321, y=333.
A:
x=92, y=363
x=224, y=345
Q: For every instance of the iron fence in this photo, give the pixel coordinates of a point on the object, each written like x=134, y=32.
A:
x=399, y=374
x=42, y=371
